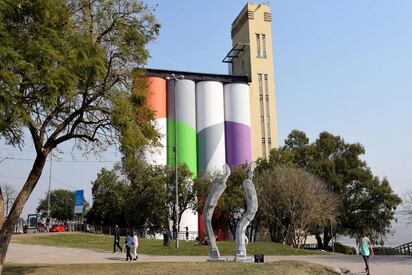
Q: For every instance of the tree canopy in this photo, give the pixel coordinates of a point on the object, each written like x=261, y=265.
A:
x=141, y=196
x=68, y=71
x=61, y=205
x=367, y=203
x=292, y=202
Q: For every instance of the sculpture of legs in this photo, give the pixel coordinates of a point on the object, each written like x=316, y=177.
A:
x=210, y=205
x=252, y=206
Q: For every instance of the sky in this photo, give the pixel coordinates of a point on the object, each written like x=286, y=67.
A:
x=340, y=66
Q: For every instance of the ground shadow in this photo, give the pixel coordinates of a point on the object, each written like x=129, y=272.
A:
x=21, y=269
x=119, y=259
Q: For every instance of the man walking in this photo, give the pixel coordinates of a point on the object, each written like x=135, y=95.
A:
x=116, y=239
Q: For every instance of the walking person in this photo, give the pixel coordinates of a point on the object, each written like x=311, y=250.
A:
x=116, y=242
x=187, y=233
x=128, y=243
x=365, y=249
x=135, y=245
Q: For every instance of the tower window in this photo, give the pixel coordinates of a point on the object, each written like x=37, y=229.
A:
x=258, y=51
x=263, y=46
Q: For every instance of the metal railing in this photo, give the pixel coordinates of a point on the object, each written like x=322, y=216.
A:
x=404, y=249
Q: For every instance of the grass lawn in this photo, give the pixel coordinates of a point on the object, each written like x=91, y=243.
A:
x=284, y=268
x=154, y=247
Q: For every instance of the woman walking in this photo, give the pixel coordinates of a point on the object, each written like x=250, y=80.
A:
x=365, y=249
x=135, y=245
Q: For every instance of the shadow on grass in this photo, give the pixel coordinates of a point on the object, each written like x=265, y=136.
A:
x=21, y=269
x=118, y=259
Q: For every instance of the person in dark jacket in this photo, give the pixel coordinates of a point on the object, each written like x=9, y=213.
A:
x=116, y=242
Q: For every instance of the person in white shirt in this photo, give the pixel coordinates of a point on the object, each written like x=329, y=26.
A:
x=135, y=245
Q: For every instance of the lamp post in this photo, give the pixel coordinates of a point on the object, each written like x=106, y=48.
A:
x=48, y=193
x=381, y=211
x=173, y=76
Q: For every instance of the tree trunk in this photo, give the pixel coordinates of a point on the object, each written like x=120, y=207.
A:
x=326, y=238
x=319, y=240
x=2, y=216
x=7, y=229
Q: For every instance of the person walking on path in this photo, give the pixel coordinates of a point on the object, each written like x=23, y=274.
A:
x=135, y=245
x=365, y=249
x=128, y=243
x=116, y=239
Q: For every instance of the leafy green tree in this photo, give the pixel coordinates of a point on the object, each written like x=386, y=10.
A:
x=140, y=195
x=186, y=193
x=61, y=205
x=109, y=199
x=146, y=195
x=66, y=71
x=366, y=202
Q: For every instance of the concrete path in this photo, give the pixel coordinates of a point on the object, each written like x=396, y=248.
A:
x=38, y=254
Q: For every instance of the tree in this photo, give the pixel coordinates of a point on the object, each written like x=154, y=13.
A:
x=61, y=205
x=294, y=201
x=109, y=199
x=66, y=71
x=407, y=204
x=366, y=202
x=140, y=195
x=9, y=195
x=186, y=192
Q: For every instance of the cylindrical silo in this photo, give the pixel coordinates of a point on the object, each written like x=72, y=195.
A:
x=156, y=100
x=210, y=132
x=181, y=113
x=210, y=126
x=237, y=124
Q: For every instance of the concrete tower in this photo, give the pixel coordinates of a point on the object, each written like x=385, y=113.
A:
x=251, y=55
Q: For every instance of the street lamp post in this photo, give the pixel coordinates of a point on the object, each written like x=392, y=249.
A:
x=48, y=193
x=176, y=159
x=381, y=211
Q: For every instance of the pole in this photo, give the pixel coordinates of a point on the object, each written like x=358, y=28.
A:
x=331, y=232
x=48, y=193
x=176, y=166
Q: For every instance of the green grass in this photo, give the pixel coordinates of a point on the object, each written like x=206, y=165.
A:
x=154, y=247
x=283, y=267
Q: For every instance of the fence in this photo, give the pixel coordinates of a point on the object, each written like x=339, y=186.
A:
x=143, y=233
x=404, y=249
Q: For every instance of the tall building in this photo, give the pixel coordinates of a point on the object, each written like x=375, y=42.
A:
x=252, y=55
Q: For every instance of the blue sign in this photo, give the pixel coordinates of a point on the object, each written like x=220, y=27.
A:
x=78, y=202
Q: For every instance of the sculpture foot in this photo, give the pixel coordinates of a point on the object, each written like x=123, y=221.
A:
x=220, y=259
x=244, y=259
x=214, y=256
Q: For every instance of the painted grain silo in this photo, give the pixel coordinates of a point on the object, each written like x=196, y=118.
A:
x=210, y=132
x=157, y=102
x=181, y=115
x=205, y=105
x=210, y=126
x=237, y=124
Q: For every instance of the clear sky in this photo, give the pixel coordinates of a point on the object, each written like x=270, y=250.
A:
x=340, y=66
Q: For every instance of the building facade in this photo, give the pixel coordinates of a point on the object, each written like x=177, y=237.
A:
x=252, y=55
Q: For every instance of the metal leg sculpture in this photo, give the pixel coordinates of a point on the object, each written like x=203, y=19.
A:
x=252, y=206
x=209, y=208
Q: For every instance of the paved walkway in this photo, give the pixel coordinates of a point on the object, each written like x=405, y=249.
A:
x=38, y=254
